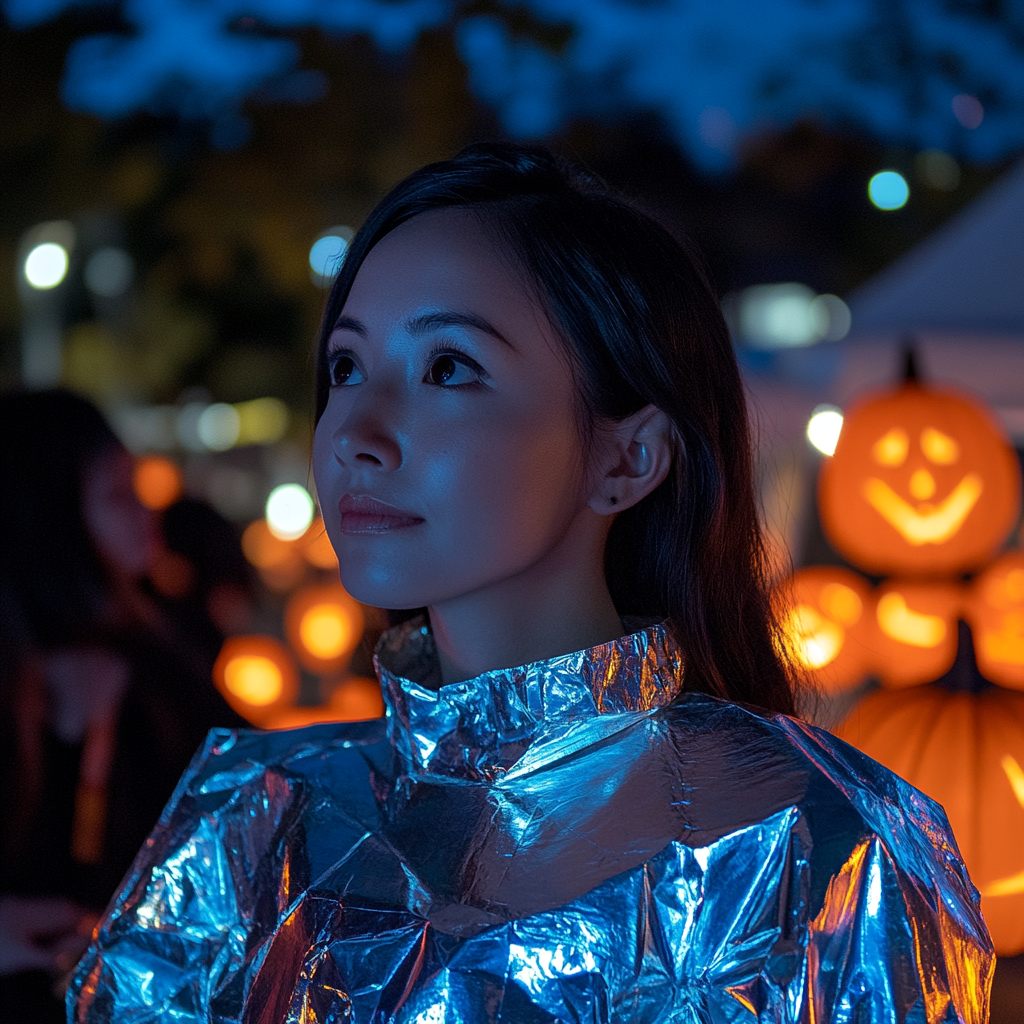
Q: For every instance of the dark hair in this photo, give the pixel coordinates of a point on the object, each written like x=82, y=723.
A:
x=48, y=563
x=642, y=325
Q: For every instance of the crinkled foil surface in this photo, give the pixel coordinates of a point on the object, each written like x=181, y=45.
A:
x=554, y=843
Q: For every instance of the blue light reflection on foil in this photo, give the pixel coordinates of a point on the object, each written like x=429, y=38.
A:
x=551, y=843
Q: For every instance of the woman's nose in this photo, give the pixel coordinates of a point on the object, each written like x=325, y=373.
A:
x=364, y=438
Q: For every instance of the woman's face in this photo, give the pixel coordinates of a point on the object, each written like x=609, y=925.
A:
x=124, y=532
x=448, y=459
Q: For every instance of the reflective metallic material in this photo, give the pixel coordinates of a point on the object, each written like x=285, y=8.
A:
x=552, y=843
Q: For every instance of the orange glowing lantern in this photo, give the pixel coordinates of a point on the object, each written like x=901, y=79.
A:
x=965, y=750
x=825, y=610
x=157, y=482
x=922, y=483
x=913, y=633
x=257, y=677
x=324, y=625
x=995, y=612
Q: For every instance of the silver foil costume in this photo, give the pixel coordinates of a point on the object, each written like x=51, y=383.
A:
x=551, y=843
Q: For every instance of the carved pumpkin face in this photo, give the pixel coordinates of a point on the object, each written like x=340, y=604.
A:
x=995, y=613
x=922, y=483
x=912, y=632
x=824, y=612
x=966, y=751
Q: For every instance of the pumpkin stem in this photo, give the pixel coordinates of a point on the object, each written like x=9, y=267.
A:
x=910, y=370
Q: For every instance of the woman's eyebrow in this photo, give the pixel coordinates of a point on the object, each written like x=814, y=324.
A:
x=450, y=318
x=348, y=323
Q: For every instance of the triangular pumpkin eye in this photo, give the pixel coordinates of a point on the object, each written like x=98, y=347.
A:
x=891, y=448
x=938, y=447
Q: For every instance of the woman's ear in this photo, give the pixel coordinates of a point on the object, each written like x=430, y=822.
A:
x=631, y=457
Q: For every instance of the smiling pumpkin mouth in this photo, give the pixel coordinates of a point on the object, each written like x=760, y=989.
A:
x=926, y=524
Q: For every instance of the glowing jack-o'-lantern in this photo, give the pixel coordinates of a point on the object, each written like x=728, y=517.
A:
x=823, y=614
x=922, y=483
x=912, y=633
x=995, y=613
x=965, y=750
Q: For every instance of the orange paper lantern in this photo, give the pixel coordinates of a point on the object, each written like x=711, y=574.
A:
x=913, y=631
x=324, y=624
x=824, y=614
x=922, y=483
x=995, y=612
x=966, y=751
x=257, y=677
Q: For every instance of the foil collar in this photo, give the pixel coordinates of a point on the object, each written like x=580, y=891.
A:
x=479, y=729
x=564, y=842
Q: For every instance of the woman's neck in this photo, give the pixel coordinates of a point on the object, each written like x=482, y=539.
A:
x=537, y=615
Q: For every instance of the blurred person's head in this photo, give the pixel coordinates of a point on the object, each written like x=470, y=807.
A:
x=203, y=567
x=71, y=527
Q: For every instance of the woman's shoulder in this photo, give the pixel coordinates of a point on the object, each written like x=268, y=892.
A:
x=748, y=763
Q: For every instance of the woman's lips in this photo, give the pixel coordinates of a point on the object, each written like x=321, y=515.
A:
x=362, y=514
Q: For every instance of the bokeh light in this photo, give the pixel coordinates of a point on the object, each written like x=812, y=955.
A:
x=967, y=109
x=289, y=511
x=157, y=482
x=888, y=190
x=323, y=624
x=256, y=675
x=937, y=169
x=327, y=252
x=254, y=679
x=262, y=421
x=824, y=428
x=325, y=631
x=790, y=315
x=46, y=265
x=109, y=272
x=218, y=426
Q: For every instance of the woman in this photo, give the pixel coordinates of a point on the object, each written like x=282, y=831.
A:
x=102, y=703
x=532, y=429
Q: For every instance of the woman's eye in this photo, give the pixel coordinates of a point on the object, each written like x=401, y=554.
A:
x=345, y=371
x=447, y=370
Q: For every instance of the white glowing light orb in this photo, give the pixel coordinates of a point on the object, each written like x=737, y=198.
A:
x=218, y=426
x=824, y=428
x=888, y=190
x=289, y=511
x=46, y=265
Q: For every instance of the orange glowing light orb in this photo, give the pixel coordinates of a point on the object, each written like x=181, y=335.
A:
x=257, y=677
x=157, y=482
x=279, y=562
x=995, y=612
x=965, y=750
x=323, y=624
x=922, y=483
x=823, y=621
